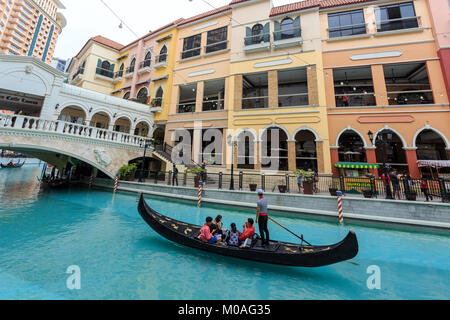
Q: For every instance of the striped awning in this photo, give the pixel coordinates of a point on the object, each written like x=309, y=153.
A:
x=434, y=163
x=354, y=165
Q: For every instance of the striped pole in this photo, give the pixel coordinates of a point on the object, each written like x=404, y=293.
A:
x=91, y=180
x=340, y=208
x=116, y=183
x=200, y=191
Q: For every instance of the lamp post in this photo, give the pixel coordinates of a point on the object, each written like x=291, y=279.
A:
x=381, y=144
x=144, y=144
x=231, y=143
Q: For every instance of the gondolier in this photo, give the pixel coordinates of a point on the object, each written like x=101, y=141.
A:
x=262, y=217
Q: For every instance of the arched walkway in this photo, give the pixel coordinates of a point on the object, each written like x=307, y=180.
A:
x=122, y=125
x=305, y=150
x=431, y=146
x=393, y=151
x=351, y=147
x=246, y=150
x=274, y=146
x=100, y=120
x=72, y=114
x=142, y=129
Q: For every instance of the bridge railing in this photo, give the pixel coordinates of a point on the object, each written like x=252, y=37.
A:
x=19, y=122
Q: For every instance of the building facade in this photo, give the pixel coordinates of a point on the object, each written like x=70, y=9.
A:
x=315, y=84
x=30, y=27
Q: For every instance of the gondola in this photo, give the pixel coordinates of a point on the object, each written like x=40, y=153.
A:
x=280, y=253
x=12, y=165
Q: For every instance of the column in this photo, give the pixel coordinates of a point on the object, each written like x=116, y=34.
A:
x=379, y=85
x=226, y=98
x=173, y=107
x=411, y=158
x=199, y=97
x=371, y=155
x=292, y=155
x=320, y=156
x=238, y=91
x=313, y=86
x=329, y=88
x=196, y=145
x=224, y=147
x=258, y=155
x=273, y=88
x=334, y=151
x=437, y=81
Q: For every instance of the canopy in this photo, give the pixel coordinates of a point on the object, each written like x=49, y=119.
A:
x=434, y=163
x=354, y=165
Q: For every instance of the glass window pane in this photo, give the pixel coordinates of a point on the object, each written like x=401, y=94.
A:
x=357, y=17
x=407, y=10
x=333, y=21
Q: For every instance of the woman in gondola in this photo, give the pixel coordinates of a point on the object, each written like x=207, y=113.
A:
x=206, y=235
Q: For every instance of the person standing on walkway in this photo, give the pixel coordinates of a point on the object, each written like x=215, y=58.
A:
x=203, y=166
x=262, y=218
x=175, y=175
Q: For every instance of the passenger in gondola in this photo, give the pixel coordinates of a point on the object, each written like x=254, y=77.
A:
x=217, y=225
x=233, y=236
x=206, y=235
x=249, y=230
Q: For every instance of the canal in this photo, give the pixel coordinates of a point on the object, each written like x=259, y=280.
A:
x=44, y=232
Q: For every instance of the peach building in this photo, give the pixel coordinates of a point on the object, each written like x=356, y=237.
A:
x=30, y=27
x=383, y=80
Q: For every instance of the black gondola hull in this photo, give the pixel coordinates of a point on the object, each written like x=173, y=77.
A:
x=279, y=253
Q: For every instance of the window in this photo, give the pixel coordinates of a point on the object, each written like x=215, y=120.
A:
x=257, y=34
x=130, y=69
x=119, y=74
x=396, y=17
x=354, y=87
x=293, y=88
x=188, y=95
x=217, y=40
x=157, y=101
x=344, y=24
x=162, y=55
x=255, y=91
x=147, y=60
x=214, y=95
x=191, y=46
x=142, y=96
x=104, y=70
x=126, y=96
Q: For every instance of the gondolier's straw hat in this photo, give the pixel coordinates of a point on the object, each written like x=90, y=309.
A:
x=260, y=191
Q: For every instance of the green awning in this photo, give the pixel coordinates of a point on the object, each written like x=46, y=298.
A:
x=354, y=165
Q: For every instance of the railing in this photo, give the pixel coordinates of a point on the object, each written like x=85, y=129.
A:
x=257, y=39
x=130, y=70
x=217, y=46
x=212, y=105
x=347, y=31
x=290, y=100
x=255, y=102
x=398, y=24
x=38, y=125
x=105, y=72
x=355, y=100
x=80, y=71
x=118, y=74
x=194, y=52
x=287, y=34
x=161, y=58
x=186, y=107
x=411, y=97
x=408, y=189
x=145, y=64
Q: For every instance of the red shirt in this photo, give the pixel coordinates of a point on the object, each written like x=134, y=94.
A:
x=205, y=233
x=247, y=234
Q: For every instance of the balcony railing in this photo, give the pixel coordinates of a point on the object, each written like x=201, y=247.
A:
x=293, y=100
x=191, y=53
x=130, y=70
x=118, y=74
x=355, y=100
x=257, y=39
x=80, y=71
x=217, y=46
x=347, y=31
x=105, y=72
x=186, y=107
x=287, y=34
x=213, y=105
x=161, y=58
x=255, y=102
x=145, y=64
x=398, y=24
x=410, y=97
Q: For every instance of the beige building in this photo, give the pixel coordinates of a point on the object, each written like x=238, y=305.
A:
x=30, y=28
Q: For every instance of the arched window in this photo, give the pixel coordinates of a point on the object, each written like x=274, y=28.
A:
x=159, y=93
x=148, y=59
x=120, y=73
x=257, y=33
x=157, y=101
x=105, y=68
x=287, y=28
x=142, y=96
x=162, y=54
x=351, y=148
x=130, y=69
x=126, y=96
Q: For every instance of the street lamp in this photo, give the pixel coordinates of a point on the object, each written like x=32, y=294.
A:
x=231, y=143
x=381, y=144
x=144, y=144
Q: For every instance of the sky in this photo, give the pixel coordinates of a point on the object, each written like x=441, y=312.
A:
x=89, y=18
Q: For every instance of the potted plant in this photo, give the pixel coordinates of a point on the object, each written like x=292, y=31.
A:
x=334, y=186
x=156, y=102
x=308, y=178
x=253, y=186
x=282, y=188
x=368, y=193
x=198, y=172
x=161, y=175
x=127, y=172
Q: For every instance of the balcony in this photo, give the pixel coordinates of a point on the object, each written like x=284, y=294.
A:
x=346, y=32
x=144, y=66
x=129, y=72
x=213, y=105
x=186, y=107
x=287, y=38
x=78, y=76
x=400, y=24
x=118, y=76
x=257, y=43
x=255, y=102
x=104, y=74
x=216, y=47
x=161, y=61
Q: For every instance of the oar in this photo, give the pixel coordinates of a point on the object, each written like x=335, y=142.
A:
x=301, y=238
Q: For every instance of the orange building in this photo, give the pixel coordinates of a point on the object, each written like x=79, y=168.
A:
x=30, y=27
x=383, y=81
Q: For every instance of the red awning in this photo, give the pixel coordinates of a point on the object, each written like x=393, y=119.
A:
x=434, y=163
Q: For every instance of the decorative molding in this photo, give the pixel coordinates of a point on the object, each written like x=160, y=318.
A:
x=206, y=25
x=273, y=63
x=201, y=73
x=376, y=55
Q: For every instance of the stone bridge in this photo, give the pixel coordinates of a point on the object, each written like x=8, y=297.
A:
x=58, y=142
